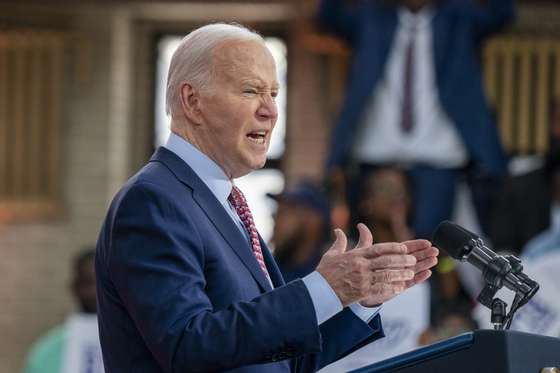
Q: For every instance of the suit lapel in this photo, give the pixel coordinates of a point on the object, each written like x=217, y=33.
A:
x=215, y=212
x=230, y=232
x=271, y=266
x=440, y=32
x=381, y=33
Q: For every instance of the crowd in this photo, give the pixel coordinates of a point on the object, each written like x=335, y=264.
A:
x=413, y=126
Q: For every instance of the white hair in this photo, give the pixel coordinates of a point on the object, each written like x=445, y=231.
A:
x=192, y=63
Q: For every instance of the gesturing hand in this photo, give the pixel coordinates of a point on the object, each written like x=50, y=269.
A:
x=426, y=258
x=369, y=273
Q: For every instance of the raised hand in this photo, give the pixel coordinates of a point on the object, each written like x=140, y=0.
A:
x=369, y=273
x=426, y=257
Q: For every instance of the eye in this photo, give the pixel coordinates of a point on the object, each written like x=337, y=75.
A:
x=250, y=91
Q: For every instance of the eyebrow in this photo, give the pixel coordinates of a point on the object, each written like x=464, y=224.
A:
x=260, y=83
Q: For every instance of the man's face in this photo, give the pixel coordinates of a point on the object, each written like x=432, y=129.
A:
x=84, y=287
x=239, y=111
x=387, y=195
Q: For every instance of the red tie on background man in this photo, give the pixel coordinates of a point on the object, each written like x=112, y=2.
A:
x=407, y=109
x=239, y=203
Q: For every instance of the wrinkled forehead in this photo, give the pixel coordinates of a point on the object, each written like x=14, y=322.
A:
x=241, y=60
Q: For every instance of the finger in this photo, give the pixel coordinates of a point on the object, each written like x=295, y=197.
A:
x=366, y=238
x=415, y=245
x=382, y=289
x=385, y=248
x=419, y=278
x=392, y=275
x=339, y=245
x=426, y=253
x=399, y=287
x=392, y=261
x=425, y=264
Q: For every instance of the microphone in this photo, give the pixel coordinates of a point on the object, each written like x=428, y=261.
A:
x=497, y=270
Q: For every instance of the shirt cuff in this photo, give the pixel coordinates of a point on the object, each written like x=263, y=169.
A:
x=324, y=298
x=365, y=313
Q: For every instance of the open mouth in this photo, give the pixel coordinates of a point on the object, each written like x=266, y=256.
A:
x=257, y=137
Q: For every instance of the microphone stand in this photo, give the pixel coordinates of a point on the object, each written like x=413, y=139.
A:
x=494, y=276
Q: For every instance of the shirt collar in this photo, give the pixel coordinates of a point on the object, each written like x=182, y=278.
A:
x=209, y=172
x=420, y=19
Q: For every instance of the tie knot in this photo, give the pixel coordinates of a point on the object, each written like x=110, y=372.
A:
x=236, y=197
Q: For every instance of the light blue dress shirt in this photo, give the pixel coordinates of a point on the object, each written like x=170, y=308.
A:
x=325, y=301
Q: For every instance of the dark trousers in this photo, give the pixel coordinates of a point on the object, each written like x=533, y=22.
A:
x=433, y=195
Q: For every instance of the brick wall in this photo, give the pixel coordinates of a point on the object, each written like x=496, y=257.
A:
x=308, y=120
x=104, y=139
x=35, y=265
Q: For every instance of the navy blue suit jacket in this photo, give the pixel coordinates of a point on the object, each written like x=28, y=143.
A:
x=179, y=289
x=458, y=28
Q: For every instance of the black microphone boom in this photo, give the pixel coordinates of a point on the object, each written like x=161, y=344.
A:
x=497, y=270
x=463, y=245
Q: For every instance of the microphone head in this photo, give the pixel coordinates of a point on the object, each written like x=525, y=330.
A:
x=453, y=239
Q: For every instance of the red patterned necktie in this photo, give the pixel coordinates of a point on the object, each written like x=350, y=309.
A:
x=239, y=203
x=407, y=108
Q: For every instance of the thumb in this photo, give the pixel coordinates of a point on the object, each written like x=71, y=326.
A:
x=339, y=245
x=366, y=238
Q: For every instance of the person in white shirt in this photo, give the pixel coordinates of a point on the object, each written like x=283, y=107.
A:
x=415, y=98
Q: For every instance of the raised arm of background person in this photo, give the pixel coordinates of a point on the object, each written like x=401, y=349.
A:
x=489, y=16
x=151, y=262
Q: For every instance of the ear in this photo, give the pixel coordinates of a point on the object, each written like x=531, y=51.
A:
x=190, y=103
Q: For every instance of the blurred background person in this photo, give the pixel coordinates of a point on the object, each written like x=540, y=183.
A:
x=384, y=204
x=73, y=346
x=302, y=229
x=526, y=219
x=526, y=222
x=415, y=97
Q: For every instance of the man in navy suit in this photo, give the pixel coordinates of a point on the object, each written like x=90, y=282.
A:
x=185, y=283
x=415, y=96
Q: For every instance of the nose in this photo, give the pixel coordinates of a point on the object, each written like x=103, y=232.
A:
x=267, y=109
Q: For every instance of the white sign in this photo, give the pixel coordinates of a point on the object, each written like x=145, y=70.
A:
x=82, y=350
x=542, y=314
